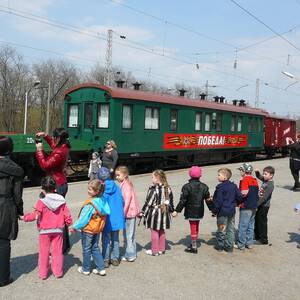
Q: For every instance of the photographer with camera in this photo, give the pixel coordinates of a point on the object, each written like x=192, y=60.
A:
x=54, y=163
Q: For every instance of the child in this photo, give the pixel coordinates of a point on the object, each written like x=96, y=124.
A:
x=157, y=212
x=249, y=189
x=51, y=214
x=131, y=211
x=91, y=222
x=225, y=199
x=192, y=199
x=265, y=194
x=114, y=222
x=95, y=165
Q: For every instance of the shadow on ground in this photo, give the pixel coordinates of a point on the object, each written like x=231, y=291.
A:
x=23, y=265
x=294, y=238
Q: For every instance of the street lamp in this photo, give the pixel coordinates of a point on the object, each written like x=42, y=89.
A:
x=287, y=74
x=290, y=76
x=35, y=84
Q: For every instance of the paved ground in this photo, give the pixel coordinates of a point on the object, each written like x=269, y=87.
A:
x=264, y=272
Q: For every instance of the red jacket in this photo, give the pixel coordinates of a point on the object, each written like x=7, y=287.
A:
x=54, y=163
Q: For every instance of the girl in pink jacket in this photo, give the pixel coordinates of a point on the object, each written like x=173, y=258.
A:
x=51, y=213
x=131, y=211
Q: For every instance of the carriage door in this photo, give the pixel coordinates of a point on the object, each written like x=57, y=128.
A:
x=88, y=129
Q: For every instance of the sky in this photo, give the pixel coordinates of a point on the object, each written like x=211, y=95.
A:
x=229, y=43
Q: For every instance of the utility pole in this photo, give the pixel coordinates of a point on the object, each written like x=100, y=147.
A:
x=108, y=58
x=256, y=105
x=48, y=108
x=206, y=89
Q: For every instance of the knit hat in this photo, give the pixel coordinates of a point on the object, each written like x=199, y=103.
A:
x=6, y=145
x=246, y=167
x=195, y=172
x=103, y=173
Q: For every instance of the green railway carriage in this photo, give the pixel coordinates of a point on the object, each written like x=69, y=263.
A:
x=24, y=155
x=161, y=130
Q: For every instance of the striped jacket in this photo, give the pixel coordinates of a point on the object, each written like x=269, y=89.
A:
x=154, y=216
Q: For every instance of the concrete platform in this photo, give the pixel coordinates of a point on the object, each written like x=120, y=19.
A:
x=264, y=272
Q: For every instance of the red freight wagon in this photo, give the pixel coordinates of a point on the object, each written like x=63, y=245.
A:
x=277, y=129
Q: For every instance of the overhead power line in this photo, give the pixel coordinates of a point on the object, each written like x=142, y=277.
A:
x=172, y=23
x=267, y=26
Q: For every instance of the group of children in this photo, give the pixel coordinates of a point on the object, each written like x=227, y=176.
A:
x=111, y=208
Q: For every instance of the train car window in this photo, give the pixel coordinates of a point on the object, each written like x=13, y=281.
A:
x=259, y=126
x=207, y=125
x=254, y=124
x=103, y=115
x=73, y=115
x=219, y=122
x=233, y=123
x=173, y=119
x=239, y=124
x=249, y=124
x=151, y=118
x=88, y=115
x=127, y=117
x=198, y=121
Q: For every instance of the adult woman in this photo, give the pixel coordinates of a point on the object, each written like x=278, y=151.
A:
x=110, y=156
x=295, y=161
x=11, y=205
x=54, y=164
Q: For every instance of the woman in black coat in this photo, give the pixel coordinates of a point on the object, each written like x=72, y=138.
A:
x=11, y=205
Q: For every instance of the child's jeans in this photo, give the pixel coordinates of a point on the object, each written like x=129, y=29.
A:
x=55, y=242
x=246, y=228
x=225, y=232
x=90, y=248
x=158, y=241
x=129, y=237
x=112, y=238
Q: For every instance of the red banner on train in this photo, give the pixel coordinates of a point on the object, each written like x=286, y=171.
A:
x=199, y=141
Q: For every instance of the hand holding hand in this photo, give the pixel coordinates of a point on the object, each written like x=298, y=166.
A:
x=174, y=214
x=21, y=218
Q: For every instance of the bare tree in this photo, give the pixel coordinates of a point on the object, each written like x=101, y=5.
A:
x=60, y=75
x=13, y=80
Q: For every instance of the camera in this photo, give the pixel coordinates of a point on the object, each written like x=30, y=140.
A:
x=38, y=139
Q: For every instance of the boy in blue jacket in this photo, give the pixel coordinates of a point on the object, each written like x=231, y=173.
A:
x=114, y=222
x=225, y=199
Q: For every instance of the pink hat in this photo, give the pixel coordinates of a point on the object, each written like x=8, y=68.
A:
x=195, y=172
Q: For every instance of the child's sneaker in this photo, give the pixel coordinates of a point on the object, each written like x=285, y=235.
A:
x=249, y=247
x=128, y=259
x=115, y=262
x=149, y=252
x=161, y=252
x=97, y=272
x=80, y=270
x=191, y=250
